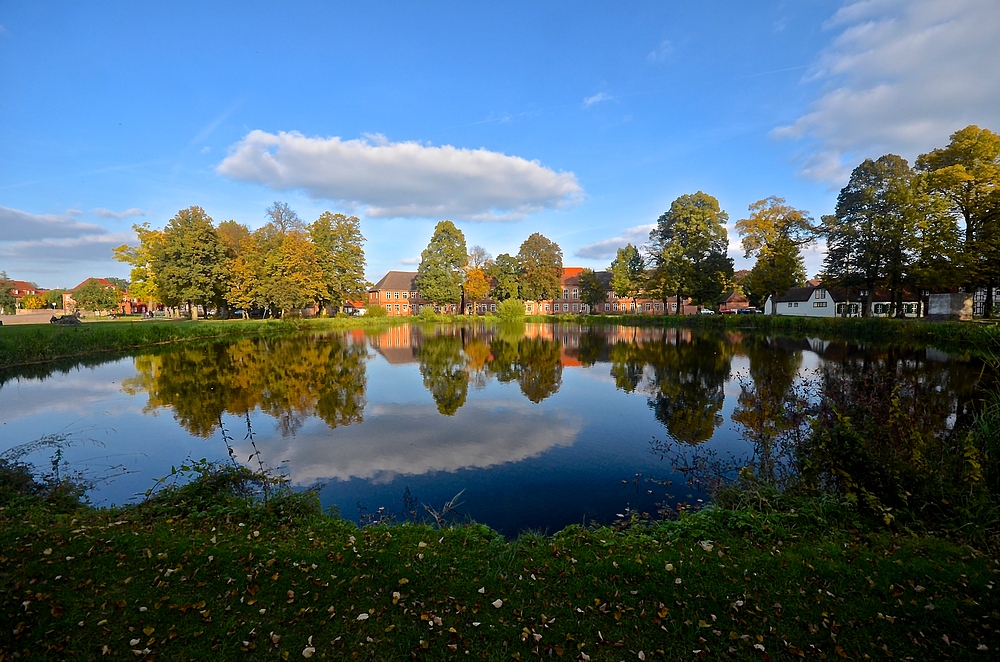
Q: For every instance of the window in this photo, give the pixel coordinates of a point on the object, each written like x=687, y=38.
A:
x=531, y=308
x=819, y=304
x=546, y=307
x=388, y=307
x=565, y=293
x=796, y=304
x=649, y=306
x=820, y=294
x=493, y=307
x=405, y=307
x=404, y=294
x=397, y=294
x=607, y=307
x=397, y=307
x=575, y=307
x=614, y=306
x=413, y=294
x=673, y=306
x=565, y=307
x=576, y=293
x=789, y=304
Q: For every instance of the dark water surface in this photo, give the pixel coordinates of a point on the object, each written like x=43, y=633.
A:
x=541, y=425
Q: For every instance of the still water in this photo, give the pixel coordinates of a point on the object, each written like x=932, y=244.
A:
x=539, y=426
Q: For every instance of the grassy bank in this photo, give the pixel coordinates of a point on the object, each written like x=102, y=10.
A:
x=20, y=345
x=226, y=578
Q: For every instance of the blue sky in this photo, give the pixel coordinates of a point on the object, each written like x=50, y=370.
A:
x=579, y=120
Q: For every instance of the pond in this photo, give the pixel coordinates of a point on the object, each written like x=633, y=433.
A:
x=538, y=426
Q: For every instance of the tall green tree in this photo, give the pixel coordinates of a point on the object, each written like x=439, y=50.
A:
x=189, y=262
x=773, y=234
x=966, y=173
x=872, y=238
x=779, y=266
x=439, y=276
x=592, y=290
x=142, y=277
x=506, y=275
x=628, y=273
x=294, y=273
x=541, y=262
x=688, y=248
x=341, y=249
x=8, y=304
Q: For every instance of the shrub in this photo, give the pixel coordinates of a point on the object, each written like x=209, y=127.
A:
x=375, y=310
x=511, y=309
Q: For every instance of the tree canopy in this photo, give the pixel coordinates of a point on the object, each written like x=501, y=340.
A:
x=628, y=273
x=440, y=276
x=189, y=261
x=541, y=263
x=688, y=249
x=773, y=233
x=341, y=253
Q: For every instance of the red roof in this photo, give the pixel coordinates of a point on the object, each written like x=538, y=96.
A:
x=103, y=282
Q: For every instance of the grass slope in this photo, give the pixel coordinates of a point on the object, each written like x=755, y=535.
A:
x=717, y=584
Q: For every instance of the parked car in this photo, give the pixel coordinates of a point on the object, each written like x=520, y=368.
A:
x=727, y=311
x=706, y=311
x=750, y=310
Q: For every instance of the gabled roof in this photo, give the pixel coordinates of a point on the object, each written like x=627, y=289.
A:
x=396, y=280
x=103, y=282
x=21, y=287
x=796, y=294
x=731, y=296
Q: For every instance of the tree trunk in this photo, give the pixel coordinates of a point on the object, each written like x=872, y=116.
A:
x=194, y=311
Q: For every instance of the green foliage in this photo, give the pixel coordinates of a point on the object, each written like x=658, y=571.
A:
x=688, y=248
x=510, y=310
x=442, y=366
x=592, y=290
x=374, y=310
x=188, y=263
x=7, y=301
x=773, y=233
x=541, y=265
x=506, y=274
x=779, y=266
x=628, y=273
x=94, y=296
x=53, y=298
x=340, y=245
x=439, y=276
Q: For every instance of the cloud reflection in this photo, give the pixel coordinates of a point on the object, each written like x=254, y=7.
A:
x=410, y=440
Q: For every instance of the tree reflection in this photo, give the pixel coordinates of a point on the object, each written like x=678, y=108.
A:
x=541, y=369
x=770, y=408
x=289, y=379
x=687, y=385
x=442, y=365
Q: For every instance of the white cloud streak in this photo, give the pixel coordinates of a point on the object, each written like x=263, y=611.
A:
x=597, y=98
x=900, y=76
x=128, y=213
x=608, y=248
x=16, y=225
x=401, y=180
x=661, y=53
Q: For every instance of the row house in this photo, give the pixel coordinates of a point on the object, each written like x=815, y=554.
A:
x=817, y=300
x=397, y=293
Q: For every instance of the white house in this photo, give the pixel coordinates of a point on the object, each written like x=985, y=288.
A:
x=816, y=300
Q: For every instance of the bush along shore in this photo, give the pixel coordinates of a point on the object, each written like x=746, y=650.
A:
x=219, y=568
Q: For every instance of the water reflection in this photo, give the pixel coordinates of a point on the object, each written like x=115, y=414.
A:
x=524, y=416
x=289, y=379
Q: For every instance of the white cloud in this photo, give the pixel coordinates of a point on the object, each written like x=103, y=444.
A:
x=399, y=180
x=410, y=260
x=407, y=440
x=608, y=248
x=661, y=53
x=597, y=98
x=128, y=213
x=96, y=248
x=16, y=225
x=900, y=76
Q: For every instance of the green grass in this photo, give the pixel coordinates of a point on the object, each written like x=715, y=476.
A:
x=717, y=584
x=36, y=343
